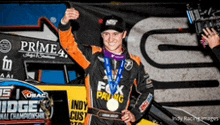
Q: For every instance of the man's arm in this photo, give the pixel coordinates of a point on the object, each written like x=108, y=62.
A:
x=216, y=51
x=144, y=87
x=68, y=42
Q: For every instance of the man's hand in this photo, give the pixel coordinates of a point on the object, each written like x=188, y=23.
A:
x=212, y=37
x=128, y=116
x=70, y=14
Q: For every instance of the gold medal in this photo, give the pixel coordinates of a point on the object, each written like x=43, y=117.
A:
x=112, y=104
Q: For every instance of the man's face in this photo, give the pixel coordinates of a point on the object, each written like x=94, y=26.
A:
x=113, y=40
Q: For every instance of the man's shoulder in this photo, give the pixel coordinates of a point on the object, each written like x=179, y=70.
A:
x=96, y=49
x=137, y=59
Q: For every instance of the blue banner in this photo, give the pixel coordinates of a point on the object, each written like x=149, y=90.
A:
x=29, y=14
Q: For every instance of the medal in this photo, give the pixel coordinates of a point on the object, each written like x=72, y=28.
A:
x=112, y=104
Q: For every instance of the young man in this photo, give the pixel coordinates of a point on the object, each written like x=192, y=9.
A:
x=111, y=73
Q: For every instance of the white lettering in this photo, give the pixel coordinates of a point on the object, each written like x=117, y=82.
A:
x=23, y=106
x=19, y=106
x=111, y=22
x=44, y=49
x=31, y=46
x=103, y=86
x=7, y=64
x=33, y=106
x=23, y=45
x=41, y=50
x=53, y=48
x=12, y=106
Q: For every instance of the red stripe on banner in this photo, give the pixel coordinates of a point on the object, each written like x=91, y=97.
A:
x=25, y=121
x=39, y=75
x=30, y=27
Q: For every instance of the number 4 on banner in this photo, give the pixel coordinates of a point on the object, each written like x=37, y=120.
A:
x=62, y=53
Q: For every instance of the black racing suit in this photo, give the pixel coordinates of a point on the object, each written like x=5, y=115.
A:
x=216, y=51
x=91, y=59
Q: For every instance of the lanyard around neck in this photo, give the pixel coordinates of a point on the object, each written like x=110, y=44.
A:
x=113, y=84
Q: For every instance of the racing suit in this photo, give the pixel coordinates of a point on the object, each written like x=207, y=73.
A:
x=216, y=51
x=91, y=59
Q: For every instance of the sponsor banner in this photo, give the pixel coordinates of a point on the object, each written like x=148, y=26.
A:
x=77, y=103
x=15, y=51
x=21, y=102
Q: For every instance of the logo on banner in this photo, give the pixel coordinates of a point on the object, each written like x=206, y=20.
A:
x=5, y=46
x=7, y=64
x=5, y=92
x=41, y=50
x=21, y=102
x=28, y=94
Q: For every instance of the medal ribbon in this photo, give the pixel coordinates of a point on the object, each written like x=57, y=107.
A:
x=114, y=84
